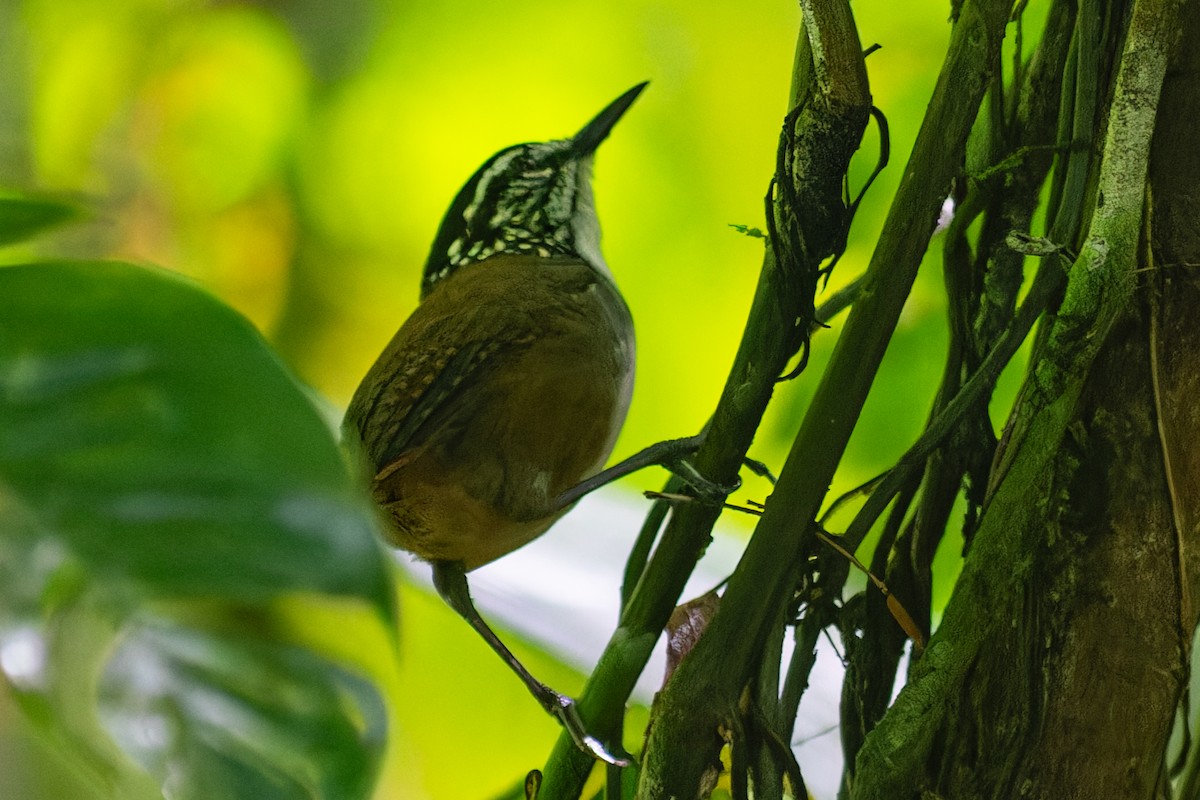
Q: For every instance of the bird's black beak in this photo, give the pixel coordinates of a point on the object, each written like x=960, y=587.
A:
x=587, y=140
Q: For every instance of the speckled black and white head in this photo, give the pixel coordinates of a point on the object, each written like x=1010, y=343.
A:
x=529, y=198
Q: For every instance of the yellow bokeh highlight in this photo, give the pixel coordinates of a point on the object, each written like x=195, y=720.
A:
x=83, y=61
x=218, y=109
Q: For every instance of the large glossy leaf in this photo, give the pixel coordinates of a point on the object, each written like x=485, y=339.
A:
x=154, y=433
x=209, y=711
x=157, y=462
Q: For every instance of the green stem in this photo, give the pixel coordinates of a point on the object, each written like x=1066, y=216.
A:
x=767, y=345
x=704, y=689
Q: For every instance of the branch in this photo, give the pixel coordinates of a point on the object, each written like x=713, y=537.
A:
x=703, y=691
x=783, y=305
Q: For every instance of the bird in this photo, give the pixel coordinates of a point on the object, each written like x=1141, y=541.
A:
x=499, y=400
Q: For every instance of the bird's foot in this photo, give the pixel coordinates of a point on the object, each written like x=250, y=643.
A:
x=704, y=488
x=564, y=709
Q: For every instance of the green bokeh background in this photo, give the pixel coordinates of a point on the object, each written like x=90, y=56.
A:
x=296, y=157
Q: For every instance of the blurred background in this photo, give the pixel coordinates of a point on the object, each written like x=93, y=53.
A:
x=295, y=158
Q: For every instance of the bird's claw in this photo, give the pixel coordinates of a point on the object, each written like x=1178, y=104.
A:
x=565, y=710
x=704, y=488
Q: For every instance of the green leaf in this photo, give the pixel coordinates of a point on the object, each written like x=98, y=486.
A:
x=22, y=216
x=163, y=444
x=158, y=462
x=746, y=230
x=205, y=710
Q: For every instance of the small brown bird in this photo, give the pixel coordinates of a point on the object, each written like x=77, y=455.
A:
x=496, y=404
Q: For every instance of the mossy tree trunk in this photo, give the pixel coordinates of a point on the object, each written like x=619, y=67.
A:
x=1063, y=655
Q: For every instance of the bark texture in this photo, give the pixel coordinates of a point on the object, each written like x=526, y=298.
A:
x=1059, y=672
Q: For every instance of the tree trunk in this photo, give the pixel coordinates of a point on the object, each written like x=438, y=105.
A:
x=1063, y=654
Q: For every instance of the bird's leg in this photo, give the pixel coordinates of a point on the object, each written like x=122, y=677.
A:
x=451, y=583
x=671, y=454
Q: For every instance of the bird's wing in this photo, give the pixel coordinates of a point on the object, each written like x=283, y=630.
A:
x=402, y=392
x=413, y=391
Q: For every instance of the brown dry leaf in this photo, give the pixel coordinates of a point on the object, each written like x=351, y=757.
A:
x=686, y=626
